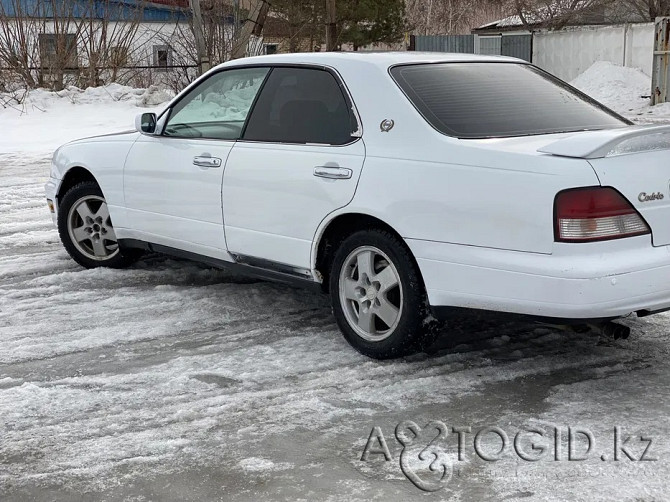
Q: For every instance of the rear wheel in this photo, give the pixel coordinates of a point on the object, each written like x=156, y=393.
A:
x=378, y=296
x=86, y=229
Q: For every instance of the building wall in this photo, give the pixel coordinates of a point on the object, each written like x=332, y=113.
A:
x=571, y=51
x=143, y=65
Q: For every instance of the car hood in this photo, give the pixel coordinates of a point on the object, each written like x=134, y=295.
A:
x=129, y=135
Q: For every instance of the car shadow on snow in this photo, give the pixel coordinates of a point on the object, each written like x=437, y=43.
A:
x=501, y=336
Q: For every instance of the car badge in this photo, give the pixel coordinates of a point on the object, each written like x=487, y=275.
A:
x=645, y=197
x=386, y=125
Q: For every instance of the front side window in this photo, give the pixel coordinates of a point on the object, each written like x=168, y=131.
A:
x=301, y=105
x=489, y=100
x=218, y=107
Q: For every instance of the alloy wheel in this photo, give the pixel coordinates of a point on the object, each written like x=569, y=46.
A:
x=90, y=228
x=370, y=293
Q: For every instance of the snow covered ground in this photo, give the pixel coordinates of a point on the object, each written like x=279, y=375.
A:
x=175, y=381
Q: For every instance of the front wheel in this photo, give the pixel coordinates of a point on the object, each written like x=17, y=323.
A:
x=86, y=229
x=378, y=297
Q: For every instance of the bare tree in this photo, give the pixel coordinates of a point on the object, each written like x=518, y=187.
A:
x=36, y=41
x=649, y=9
x=555, y=14
x=453, y=17
x=106, y=32
x=54, y=41
x=298, y=24
x=18, y=52
x=331, y=25
x=57, y=42
x=252, y=26
x=199, y=33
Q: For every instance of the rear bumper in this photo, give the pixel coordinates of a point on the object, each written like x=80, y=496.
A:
x=578, y=281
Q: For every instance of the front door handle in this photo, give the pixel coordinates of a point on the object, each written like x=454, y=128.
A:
x=333, y=173
x=206, y=162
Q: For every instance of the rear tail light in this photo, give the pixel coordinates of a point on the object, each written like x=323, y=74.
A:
x=595, y=214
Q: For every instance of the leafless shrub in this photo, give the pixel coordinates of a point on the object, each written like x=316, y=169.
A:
x=18, y=51
x=453, y=17
x=56, y=43
x=647, y=10
x=106, y=43
x=555, y=14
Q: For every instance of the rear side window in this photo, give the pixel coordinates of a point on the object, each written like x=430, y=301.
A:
x=301, y=105
x=487, y=100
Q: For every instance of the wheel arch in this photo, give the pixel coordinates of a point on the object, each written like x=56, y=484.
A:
x=339, y=228
x=74, y=176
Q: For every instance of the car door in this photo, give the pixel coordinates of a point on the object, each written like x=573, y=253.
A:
x=299, y=159
x=172, y=181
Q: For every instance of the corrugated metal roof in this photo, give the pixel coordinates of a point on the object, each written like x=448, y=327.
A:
x=116, y=10
x=172, y=3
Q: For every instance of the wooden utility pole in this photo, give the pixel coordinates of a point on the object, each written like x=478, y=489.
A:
x=331, y=25
x=252, y=26
x=201, y=47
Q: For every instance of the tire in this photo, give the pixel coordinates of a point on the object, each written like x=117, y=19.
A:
x=374, y=273
x=86, y=230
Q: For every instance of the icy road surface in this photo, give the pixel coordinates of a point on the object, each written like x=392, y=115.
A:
x=175, y=381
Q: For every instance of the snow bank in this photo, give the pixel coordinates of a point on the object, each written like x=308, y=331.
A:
x=39, y=121
x=621, y=89
x=615, y=86
x=43, y=99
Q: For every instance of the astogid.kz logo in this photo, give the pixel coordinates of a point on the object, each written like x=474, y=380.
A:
x=414, y=447
x=426, y=463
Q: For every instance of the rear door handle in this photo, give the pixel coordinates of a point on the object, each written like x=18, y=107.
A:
x=333, y=173
x=206, y=162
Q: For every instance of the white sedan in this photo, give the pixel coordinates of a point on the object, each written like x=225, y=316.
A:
x=404, y=184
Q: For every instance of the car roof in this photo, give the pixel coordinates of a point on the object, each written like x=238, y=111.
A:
x=381, y=59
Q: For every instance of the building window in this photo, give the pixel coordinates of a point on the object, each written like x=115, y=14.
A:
x=270, y=48
x=162, y=56
x=58, y=51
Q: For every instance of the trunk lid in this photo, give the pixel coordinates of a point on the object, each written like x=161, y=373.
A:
x=633, y=160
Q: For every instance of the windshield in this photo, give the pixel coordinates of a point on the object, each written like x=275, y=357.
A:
x=490, y=100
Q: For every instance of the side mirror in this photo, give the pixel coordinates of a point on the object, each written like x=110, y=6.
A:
x=146, y=123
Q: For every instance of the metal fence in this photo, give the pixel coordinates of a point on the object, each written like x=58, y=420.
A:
x=445, y=43
x=567, y=52
x=520, y=46
x=489, y=46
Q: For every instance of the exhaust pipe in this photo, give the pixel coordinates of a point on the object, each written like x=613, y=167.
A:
x=609, y=329
x=612, y=330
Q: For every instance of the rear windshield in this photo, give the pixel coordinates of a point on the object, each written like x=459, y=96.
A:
x=487, y=100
